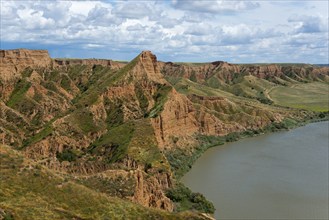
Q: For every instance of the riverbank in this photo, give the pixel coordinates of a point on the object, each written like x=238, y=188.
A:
x=182, y=161
x=279, y=175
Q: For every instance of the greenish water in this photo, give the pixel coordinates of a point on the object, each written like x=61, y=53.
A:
x=281, y=175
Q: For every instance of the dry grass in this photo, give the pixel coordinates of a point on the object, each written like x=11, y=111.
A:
x=30, y=191
x=310, y=96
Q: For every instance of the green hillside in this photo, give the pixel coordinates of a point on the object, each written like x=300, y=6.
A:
x=31, y=191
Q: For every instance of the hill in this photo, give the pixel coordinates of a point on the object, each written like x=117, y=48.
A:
x=130, y=130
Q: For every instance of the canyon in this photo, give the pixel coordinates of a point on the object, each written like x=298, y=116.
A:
x=130, y=130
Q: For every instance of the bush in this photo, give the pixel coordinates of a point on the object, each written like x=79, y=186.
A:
x=201, y=203
x=19, y=92
x=66, y=155
x=179, y=193
x=322, y=115
x=185, y=199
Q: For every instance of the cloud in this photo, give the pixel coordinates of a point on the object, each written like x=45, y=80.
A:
x=134, y=10
x=215, y=6
x=101, y=15
x=33, y=19
x=199, y=29
x=307, y=24
x=180, y=30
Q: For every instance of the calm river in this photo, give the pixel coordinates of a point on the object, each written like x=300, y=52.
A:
x=280, y=175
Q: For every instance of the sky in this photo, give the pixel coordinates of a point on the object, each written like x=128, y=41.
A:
x=174, y=30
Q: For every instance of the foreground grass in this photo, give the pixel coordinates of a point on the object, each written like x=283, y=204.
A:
x=310, y=96
x=30, y=191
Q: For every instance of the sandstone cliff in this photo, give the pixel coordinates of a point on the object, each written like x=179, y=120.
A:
x=103, y=121
x=12, y=62
x=226, y=72
x=88, y=62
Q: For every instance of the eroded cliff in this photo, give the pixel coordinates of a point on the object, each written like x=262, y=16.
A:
x=117, y=127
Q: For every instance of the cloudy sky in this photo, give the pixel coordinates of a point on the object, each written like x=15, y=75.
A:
x=174, y=30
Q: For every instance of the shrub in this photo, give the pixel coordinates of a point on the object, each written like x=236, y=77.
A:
x=186, y=199
x=19, y=92
x=66, y=155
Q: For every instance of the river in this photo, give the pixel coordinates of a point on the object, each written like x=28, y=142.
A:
x=281, y=175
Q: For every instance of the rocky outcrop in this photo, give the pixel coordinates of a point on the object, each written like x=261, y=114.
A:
x=227, y=72
x=91, y=117
x=88, y=62
x=13, y=62
x=150, y=192
x=178, y=119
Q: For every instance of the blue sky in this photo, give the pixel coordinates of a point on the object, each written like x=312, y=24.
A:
x=174, y=30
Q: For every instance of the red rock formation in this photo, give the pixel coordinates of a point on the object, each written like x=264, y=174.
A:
x=225, y=71
x=130, y=93
x=88, y=62
x=12, y=62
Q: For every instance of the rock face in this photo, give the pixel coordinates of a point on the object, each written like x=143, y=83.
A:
x=101, y=117
x=226, y=72
x=150, y=193
x=12, y=62
x=88, y=62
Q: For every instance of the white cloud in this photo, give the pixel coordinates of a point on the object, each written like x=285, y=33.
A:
x=33, y=19
x=182, y=30
x=215, y=6
x=134, y=10
x=82, y=7
x=308, y=24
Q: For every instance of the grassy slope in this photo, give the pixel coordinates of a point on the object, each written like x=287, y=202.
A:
x=188, y=87
x=310, y=96
x=143, y=146
x=39, y=193
x=19, y=92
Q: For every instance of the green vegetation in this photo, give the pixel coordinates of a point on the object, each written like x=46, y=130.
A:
x=123, y=71
x=160, y=99
x=287, y=123
x=251, y=87
x=75, y=72
x=181, y=160
x=188, y=87
x=108, y=78
x=83, y=119
x=119, y=186
x=50, y=86
x=29, y=191
x=27, y=72
x=114, y=144
x=190, y=63
x=114, y=112
x=53, y=75
x=66, y=83
x=193, y=77
x=25, y=105
x=310, y=96
x=143, y=147
x=214, y=82
x=185, y=199
x=291, y=90
x=85, y=79
x=19, y=92
x=142, y=99
x=48, y=129
x=66, y=155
